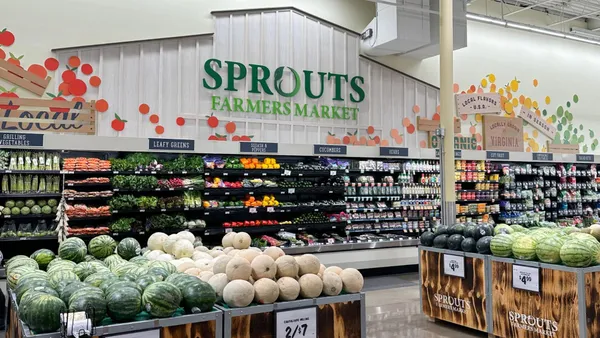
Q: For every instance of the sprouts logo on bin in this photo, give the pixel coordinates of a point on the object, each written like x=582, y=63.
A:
x=542, y=326
x=451, y=303
x=261, y=80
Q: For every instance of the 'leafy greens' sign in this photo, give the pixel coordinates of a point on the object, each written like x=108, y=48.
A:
x=261, y=82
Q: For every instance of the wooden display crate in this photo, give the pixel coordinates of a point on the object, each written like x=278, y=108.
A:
x=565, y=306
x=209, y=324
x=448, y=297
x=340, y=316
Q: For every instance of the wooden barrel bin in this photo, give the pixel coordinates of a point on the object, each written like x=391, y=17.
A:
x=208, y=324
x=340, y=316
x=565, y=304
x=455, y=287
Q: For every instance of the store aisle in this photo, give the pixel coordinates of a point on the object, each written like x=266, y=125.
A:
x=395, y=312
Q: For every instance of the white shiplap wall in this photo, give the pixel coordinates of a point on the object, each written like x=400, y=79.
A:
x=167, y=75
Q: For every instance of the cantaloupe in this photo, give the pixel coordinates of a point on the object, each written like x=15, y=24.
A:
x=251, y=280
x=274, y=252
x=218, y=282
x=227, y=249
x=201, y=255
x=263, y=266
x=155, y=253
x=182, y=266
x=332, y=284
x=311, y=286
x=233, y=252
x=289, y=289
x=334, y=269
x=255, y=249
x=204, y=264
x=248, y=254
x=182, y=248
x=321, y=271
x=188, y=236
x=205, y=276
x=241, y=240
x=238, y=293
x=266, y=291
x=220, y=263
x=286, y=267
x=156, y=240
x=201, y=248
x=352, y=279
x=193, y=272
x=238, y=268
x=308, y=264
x=216, y=253
x=169, y=243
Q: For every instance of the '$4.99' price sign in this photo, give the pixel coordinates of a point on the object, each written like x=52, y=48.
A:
x=296, y=323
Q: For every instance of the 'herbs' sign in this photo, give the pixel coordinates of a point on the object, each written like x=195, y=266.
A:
x=261, y=80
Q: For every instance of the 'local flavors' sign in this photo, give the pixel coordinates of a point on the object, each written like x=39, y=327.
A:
x=502, y=133
x=485, y=103
x=263, y=81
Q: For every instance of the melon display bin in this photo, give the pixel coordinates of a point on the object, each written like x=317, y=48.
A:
x=336, y=316
x=455, y=287
x=208, y=324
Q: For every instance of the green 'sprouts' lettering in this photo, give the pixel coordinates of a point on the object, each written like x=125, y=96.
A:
x=279, y=74
x=231, y=78
x=253, y=106
x=346, y=113
x=276, y=108
x=357, y=88
x=325, y=112
x=287, y=109
x=337, y=84
x=213, y=74
x=266, y=106
x=226, y=104
x=215, y=102
x=335, y=112
x=315, y=111
x=257, y=80
x=300, y=111
x=237, y=105
x=320, y=82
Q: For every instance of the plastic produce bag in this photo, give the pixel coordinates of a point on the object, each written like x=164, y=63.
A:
x=25, y=229
x=41, y=228
x=9, y=229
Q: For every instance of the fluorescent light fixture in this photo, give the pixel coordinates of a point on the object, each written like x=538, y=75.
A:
x=528, y=28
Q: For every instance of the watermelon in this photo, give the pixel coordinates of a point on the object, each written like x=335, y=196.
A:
x=32, y=274
x=92, y=303
x=469, y=244
x=569, y=230
x=540, y=234
x=69, y=289
x=170, y=267
x=138, y=272
x=503, y=229
x=14, y=258
x=548, y=249
x=455, y=241
x=576, y=253
x=524, y=248
x=483, y=245
x=198, y=296
x=33, y=292
x=83, y=292
x=112, y=260
x=483, y=230
x=22, y=262
x=31, y=284
x=128, y=248
x=16, y=273
x=144, y=281
x=159, y=271
x=89, y=258
x=180, y=279
x=58, y=262
x=102, y=246
x=427, y=238
x=72, y=249
x=501, y=245
x=442, y=230
x=104, y=286
x=161, y=299
x=42, y=313
x=58, y=276
x=43, y=257
x=457, y=229
x=518, y=228
x=140, y=260
x=122, y=269
x=119, y=285
x=123, y=304
x=84, y=269
x=440, y=241
x=98, y=278
x=470, y=231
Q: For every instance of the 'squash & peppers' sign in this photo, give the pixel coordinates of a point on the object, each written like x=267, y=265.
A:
x=261, y=82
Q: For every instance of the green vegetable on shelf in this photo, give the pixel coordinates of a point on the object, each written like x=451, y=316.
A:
x=122, y=225
x=147, y=202
x=42, y=185
x=5, y=179
x=20, y=184
x=123, y=202
x=27, y=183
x=27, y=165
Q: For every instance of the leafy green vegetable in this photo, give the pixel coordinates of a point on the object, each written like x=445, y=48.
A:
x=134, y=182
x=147, y=202
x=122, y=225
x=123, y=202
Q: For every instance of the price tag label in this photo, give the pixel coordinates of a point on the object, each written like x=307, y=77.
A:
x=264, y=174
x=228, y=230
x=115, y=189
x=245, y=174
x=287, y=173
x=136, y=172
x=454, y=265
x=270, y=209
x=115, y=211
x=252, y=210
x=163, y=210
x=332, y=173
x=251, y=193
x=142, y=210
x=171, y=189
x=186, y=208
x=115, y=172
x=291, y=190
x=225, y=174
x=296, y=323
x=526, y=278
x=70, y=184
x=184, y=172
x=227, y=193
x=70, y=199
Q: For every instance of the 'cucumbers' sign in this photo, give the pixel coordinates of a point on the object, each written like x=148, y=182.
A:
x=262, y=80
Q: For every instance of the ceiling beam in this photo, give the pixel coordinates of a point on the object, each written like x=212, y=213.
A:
x=574, y=18
x=528, y=7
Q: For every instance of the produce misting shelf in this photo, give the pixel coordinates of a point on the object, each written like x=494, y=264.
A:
x=254, y=210
x=157, y=189
x=271, y=172
x=28, y=216
x=33, y=238
x=48, y=172
x=273, y=190
x=155, y=210
x=277, y=227
x=391, y=219
x=30, y=195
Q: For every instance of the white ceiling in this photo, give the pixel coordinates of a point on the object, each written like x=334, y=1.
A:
x=561, y=11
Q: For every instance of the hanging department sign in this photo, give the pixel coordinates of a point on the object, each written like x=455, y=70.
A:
x=485, y=103
x=264, y=81
x=502, y=133
x=537, y=122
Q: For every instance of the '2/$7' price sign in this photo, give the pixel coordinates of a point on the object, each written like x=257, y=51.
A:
x=296, y=323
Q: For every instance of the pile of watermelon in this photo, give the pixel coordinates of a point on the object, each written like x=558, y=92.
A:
x=569, y=246
x=113, y=279
x=468, y=237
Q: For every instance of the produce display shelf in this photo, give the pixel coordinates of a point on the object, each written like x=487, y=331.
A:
x=271, y=172
x=160, y=172
x=34, y=238
x=349, y=245
x=88, y=218
x=476, y=182
x=276, y=228
x=49, y=172
x=252, y=210
x=155, y=210
x=391, y=219
x=425, y=207
x=476, y=213
x=391, y=171
x=476, y=190
x=52, y=215
x=417, y=230
x=273, y=190
x=87, y=184
x=31, y=195
x=87, y=198
x=157, y=189
x=477, y=200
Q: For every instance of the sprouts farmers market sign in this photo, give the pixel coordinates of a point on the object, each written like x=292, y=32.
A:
x=263, y=80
